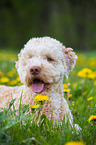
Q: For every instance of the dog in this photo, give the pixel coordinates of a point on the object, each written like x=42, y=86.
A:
x=42, y=64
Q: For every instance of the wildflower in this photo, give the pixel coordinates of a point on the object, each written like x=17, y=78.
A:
x=92, y=75
x=84, y=72
x=89, y=99
x=10, y=74
x=66, y=90
x=14, y=82
x=75, y=143
x=81, y=74
x=34, y=106
x=18, y=79
x=1, y=74
x=41, y=97
x=95, y=105
x=4, y=80
x=70, y=95
x=65, y=86
x=87, y=70
x=93, y=117
x=94, y=82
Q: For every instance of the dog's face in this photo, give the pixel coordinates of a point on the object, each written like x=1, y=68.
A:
x=43, y=62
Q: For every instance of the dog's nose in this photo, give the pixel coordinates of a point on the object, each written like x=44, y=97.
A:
x=35, y=70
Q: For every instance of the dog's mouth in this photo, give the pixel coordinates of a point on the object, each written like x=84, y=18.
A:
x=39, y=86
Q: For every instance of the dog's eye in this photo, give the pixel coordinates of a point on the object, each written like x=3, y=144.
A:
x=49, y=59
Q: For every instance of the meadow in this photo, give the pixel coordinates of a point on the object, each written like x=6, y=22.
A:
x=79, y=91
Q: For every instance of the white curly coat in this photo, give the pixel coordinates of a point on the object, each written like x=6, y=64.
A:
x=55, y=61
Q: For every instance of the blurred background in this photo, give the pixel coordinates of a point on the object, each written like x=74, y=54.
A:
x=73, y=22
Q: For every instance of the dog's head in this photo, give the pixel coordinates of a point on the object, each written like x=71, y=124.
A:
x=43, y=62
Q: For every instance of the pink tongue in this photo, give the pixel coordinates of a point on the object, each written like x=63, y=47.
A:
x=37, y=86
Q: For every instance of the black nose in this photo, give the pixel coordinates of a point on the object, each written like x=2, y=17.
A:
x=35, y=70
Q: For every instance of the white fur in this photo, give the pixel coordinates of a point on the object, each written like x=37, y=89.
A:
x=35, y=53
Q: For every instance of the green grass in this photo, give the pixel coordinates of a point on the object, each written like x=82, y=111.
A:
x=22, y=129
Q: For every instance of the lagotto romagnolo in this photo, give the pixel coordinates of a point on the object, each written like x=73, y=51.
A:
x=42, y=64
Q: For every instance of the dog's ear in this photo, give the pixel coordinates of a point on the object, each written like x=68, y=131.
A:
x=69, y=60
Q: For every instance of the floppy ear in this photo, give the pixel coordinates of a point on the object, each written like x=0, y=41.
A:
x=69, y=60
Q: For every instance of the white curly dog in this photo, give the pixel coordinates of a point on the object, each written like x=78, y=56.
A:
x=42, y=65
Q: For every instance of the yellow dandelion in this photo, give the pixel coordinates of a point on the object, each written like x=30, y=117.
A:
x=4, y=80
x=34, y=106
x=89, y=99
x=94, y=82
x=70, y=95
x=41, y=97
x=14, y=82
x=18, y=79
x=92, y=75
x=93, y=117
x=10, y=74
x=75, y=143
x=84, y=72
x=87, y=70
x=81, y=74
x=65, y=86
x=66, y=90
x=95, y=105
x=1, y=74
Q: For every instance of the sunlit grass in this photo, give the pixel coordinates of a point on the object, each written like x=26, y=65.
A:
x=18, y=127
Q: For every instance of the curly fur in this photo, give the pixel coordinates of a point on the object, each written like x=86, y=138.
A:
x=36, y=53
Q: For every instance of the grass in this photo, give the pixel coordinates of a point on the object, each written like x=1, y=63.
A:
x=22, y=129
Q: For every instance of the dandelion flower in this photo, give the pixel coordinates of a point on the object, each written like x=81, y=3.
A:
x=10, y=74
x=34, y=106
x=81, y=74
x=65, y=86
x=75, y=143
x=92, y=75
x=94, y=82
x=41, y=97
x=4, y=80
x=70, y=95
x=89, y=99
x=93, y=117
x=66, y=90
x=14, y=82
x=84, y=72
x=18, y=79
x=1, y=74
